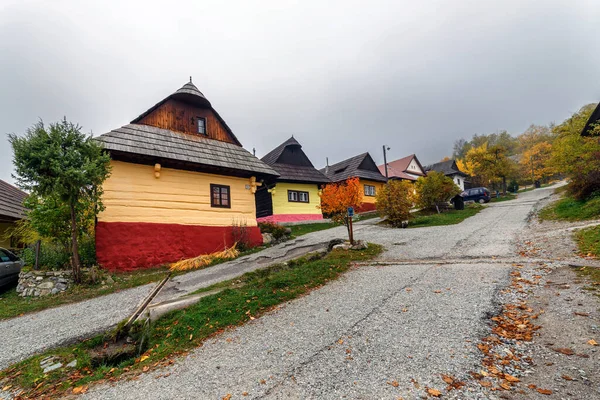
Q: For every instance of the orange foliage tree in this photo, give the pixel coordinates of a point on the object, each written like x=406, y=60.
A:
x=337, y=197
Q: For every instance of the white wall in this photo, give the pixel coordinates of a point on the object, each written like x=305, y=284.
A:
x=460, y=181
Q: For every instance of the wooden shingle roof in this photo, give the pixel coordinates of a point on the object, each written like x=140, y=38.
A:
x=292, y=164
x=11, y=202
x=399, y=168
x=361, y=166
x=160, y=143
x=448, y=167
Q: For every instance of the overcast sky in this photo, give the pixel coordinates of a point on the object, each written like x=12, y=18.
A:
x=343, y=77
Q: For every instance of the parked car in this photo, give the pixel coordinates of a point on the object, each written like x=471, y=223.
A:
x=479, y=194
x=10, y=266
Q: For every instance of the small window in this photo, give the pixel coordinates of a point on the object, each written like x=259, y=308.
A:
x=201, y=125
x=296, y=196
x=219, y=196
x=369, y=190
x=458, y=180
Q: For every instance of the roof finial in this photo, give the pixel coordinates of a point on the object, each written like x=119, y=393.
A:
x=190, y=79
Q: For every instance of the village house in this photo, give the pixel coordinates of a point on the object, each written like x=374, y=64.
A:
x=294, y=196
x=363, y=167
x=181, y=185
x=450, y=169
x=11, y=210
x=408, y=168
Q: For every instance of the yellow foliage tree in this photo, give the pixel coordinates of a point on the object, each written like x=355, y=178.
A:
x=537, y=161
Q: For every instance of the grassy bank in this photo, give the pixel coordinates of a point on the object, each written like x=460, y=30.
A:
x=12, y=305
x=588, y=241
x=450, y=217
x=299, y=230
x=508, y=196
x=183, y=330
x=570, y=209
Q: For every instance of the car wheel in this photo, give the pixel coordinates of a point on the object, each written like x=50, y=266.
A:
x=481, y=201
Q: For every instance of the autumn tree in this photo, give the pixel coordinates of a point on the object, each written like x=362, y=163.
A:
x=434, y=189
x=63, y=169
x=535, y=162
x=337, y=197
x=578, y=156
x=395, y=200
x=490, y=163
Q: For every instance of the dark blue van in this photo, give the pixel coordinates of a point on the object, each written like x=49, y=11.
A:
x=480, y=195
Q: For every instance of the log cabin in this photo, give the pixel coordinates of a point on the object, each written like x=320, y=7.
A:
x=181, y=185
x=294, y=196
x=363, y=167
x=11, y=211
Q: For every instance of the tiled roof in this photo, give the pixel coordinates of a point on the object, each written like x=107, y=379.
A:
x=350, y=168
x=11, y=201
x=399, y=168
x=293, y=172
x=163, y=143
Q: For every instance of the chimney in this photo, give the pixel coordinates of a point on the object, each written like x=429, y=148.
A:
x=326, y=165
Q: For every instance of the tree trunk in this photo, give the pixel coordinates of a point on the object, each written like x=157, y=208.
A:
x=504, y=185
x=75, y=262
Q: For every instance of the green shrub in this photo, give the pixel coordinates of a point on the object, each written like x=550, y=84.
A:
x=513, y=186
x=276, y=230
x=394, y=202
x=54, y=256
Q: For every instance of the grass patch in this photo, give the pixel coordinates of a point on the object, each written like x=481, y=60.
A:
x=588, y=241
x=299, y=230
x=12, y=305
x=570, y=209
x=508, y=196
x=432, y=218
x=180, y=331
x=593, y=277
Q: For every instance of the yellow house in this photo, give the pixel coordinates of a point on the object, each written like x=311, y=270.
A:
x=11, y=210
x=181, y=185
x=363, y=167
x=294, y=196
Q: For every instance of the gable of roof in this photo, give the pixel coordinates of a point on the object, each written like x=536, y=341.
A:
x=399, y=168
x=594, y=119
x=361, y=166
x=190, y=94
x=11, y=202
x=292, y=164
x=162, y=144
x=447, y=167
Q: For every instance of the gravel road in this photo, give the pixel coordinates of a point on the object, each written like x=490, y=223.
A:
x=381, y=331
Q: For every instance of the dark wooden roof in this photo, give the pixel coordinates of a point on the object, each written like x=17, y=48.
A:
x=190, y=94
x=160, y=143
x=292, y=164
x=448, y=167
x=11, y=202
x=594, y=119
x=361, y=166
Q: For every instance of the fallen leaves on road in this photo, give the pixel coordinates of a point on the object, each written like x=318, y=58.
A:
x=582, y=314
x=434, y=392
x=567, y=378
x=80, y=389
x=592, y=342
x=564, y=350
x=393, y=383
x=544, y=391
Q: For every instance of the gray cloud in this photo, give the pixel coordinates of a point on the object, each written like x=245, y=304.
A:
x=344, y=77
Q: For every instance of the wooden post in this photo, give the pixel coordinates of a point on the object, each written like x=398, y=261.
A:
x=37, y=255
x=351, y=234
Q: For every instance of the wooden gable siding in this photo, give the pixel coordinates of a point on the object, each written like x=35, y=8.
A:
x=177, y=116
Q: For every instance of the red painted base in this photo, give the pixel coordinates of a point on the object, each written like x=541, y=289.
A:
x=364, y=207
x=126, y=246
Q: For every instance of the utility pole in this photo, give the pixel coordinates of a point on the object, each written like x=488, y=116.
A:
x=385, y=161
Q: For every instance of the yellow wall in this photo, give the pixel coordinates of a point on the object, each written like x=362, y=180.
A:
x=378, y=187
x=4, y=242
x=281, y=205
x=133, y=194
